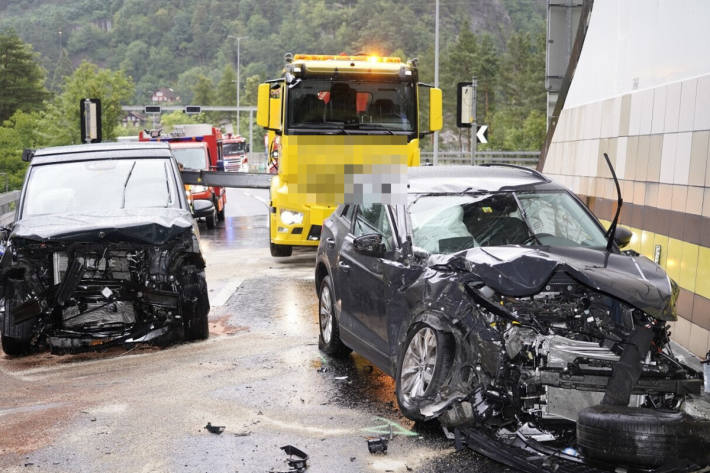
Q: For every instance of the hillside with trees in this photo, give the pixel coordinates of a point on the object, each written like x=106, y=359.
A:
x=69, y=48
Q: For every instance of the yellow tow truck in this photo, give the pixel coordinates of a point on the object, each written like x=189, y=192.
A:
x=332, y=121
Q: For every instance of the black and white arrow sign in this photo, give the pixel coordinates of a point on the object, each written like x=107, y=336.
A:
x=482, y=134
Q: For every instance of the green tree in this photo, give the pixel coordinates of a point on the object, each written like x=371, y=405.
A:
x=113, y=88
x=17, y=133
x=21, y=78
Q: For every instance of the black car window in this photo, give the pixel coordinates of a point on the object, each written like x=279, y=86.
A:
x=372, y=218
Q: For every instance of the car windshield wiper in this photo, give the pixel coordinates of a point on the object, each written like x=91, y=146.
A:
x=167, y=185
x=533, y=235
x=125, y=184
x=375, y=126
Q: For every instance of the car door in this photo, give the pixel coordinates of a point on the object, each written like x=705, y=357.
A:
x=363, y=289
x=335, y=230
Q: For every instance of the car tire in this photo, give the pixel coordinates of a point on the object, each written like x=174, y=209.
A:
x=15, y=346
x=428, y=353
x=635, y=436
x=328, y=330
x=196, y=318
x=280, y=251
x=211, y=220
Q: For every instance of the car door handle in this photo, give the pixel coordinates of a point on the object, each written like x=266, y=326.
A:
x=343, y=267
x=330, y=242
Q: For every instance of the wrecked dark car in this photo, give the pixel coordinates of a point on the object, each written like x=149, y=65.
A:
x=503, y=309
x=103, y=251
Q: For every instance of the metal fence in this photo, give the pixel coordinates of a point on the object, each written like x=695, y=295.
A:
x=8, y=203
x=521, y=158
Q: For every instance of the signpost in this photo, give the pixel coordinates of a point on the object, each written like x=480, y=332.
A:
x=90, y=120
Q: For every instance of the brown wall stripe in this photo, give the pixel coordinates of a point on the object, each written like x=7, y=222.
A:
x=679, y=225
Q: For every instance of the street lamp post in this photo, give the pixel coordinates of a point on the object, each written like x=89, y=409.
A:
x=238, y=40
x=436, y=75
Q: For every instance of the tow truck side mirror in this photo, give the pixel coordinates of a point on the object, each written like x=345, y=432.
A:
x=436, y=118
x=262, y=108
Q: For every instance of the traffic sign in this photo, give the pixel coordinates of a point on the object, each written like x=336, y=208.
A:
x=190, y=109
x=482, y=134
x=152, y=109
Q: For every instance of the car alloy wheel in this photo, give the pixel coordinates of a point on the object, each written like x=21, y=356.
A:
x=326, y=314
x=418, y=364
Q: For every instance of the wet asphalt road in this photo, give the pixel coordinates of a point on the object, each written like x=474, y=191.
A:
x=260, y=374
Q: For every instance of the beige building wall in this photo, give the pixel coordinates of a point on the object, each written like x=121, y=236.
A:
x=657, y=137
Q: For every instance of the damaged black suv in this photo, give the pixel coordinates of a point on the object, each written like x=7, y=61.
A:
x=103, y=251
x=503, y=308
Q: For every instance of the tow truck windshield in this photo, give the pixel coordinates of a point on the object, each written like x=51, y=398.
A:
x=369, y=107
x=88, y=187
x=455, y=222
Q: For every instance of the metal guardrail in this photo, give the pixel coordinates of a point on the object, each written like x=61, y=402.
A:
x=8, y=203
x=522, y=158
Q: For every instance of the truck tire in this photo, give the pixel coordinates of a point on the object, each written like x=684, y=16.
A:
x=632, y=435
x=415, y=358
x=280, y=251
x=220, y=212
x=211, y=221
x=329, y=333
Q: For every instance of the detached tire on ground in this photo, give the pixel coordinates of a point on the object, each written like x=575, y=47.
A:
x=422, y=367
x=636, y=436
x=329, y=333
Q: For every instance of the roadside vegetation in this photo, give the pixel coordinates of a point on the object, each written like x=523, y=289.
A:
x=121, y=51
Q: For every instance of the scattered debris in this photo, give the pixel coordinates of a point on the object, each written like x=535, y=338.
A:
x=214, y=429
x=378, y=445
x=322, y=369
x=242, y=434
x=340, y=378
x=352, y=459
x=297, y=459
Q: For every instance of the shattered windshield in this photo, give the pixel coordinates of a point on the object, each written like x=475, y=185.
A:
x=376, y=106
x=191, y=158
x=455, y=222
x=88, y=187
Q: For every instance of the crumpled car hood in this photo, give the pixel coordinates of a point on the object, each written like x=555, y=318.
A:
x=523, y=272
x=148, y=225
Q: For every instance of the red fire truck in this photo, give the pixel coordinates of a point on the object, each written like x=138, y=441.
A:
x=197, y=147
x=235, y=151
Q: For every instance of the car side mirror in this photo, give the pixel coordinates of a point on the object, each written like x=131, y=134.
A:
x=370, y=245
x=202, y=208
x=622, y=236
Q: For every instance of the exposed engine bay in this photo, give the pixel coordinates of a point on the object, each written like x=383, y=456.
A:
x=531, y=359
x=71, y=294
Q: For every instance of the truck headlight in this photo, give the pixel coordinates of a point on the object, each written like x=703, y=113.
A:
x=291, y=217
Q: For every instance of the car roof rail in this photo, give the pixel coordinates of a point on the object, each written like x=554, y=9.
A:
x=534, y=172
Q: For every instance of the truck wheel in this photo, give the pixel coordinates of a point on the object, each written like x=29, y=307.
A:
x=329, y=335
x=632, y=435
x=211, y=221
x=279, y=251
x=422, y=367
x=196, y=316
x=220, y=213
